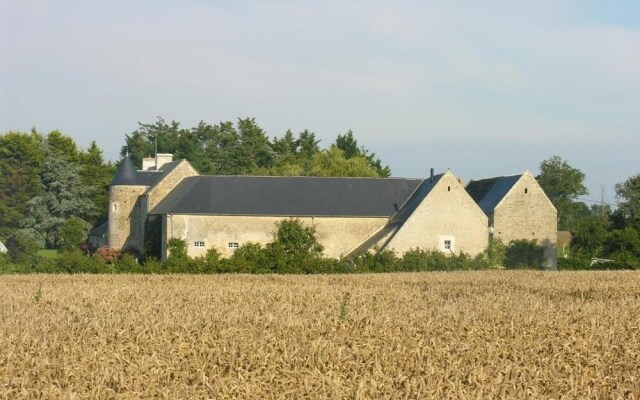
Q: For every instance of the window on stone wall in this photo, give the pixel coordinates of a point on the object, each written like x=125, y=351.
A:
x=233, y=245
x=526, y=190
x=446, y=243
x=198, y=244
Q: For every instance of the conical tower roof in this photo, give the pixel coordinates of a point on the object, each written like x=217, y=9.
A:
x=126, y=174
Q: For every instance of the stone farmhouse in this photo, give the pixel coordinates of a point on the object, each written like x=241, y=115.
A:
x=169, y=199
x=518, y=208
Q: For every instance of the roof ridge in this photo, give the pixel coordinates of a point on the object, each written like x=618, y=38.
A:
x=311, y=177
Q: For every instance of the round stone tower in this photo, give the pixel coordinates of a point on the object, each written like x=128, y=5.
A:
x=126, y=222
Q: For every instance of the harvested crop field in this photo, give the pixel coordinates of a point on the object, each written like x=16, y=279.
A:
x=496, y=334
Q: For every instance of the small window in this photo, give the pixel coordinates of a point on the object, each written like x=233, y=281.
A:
x=198, y=244
x=447, y=244
x=526, y=190
x=448, y=188
x=115, y=207
x=233, y=245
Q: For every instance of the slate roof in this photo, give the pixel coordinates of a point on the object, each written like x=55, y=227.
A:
x=100, y=231
x=288, y=196
x=487, y=193
x=127, y=174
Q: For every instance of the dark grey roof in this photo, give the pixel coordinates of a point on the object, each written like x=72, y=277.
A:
x=288, y=196
x=487, y=193
x=100, y=231
x=127, y=174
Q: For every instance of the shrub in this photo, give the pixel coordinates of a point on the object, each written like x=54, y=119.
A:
x=108, y=254
x=21, y=248
x=524, y=253
x=575, y=262
x=495, y=252
x=380, y=261
x=72, y=234
x=249, y=258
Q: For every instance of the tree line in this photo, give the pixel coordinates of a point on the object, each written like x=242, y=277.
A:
x=598, y=230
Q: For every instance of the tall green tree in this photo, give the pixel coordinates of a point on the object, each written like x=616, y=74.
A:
x=255, y=150
x=63, y=196
x=332, y=162
x=563, y=184
x=141, y=143
x=349, y=145
x=95, y=172
x=628, y=196
x=21, y=159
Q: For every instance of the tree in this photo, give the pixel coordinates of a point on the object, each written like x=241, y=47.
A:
x=294, y=248
x=72, y=233
x=628, y=196
x=563, y=184
x=95, y=172
x=349, y=145
x=141, y=143
x=21, y=159
x=63, y=196
x=255, y=150
x=589, y=237
x=332, y=162
x=623, y=245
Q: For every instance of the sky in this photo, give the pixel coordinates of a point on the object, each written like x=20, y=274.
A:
x=481, y=88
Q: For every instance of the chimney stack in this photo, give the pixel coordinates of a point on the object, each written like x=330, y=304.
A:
x=431, y=178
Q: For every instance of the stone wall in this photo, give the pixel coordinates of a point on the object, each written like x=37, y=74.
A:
x=526, y=213
x=162, y=188
x=448, y=213
x=126, y=217
x=338, y=235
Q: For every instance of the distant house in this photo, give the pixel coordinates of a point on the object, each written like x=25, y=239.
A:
x=518, y=208
x=169, y=199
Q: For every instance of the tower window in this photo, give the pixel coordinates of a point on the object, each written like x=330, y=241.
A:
x=448, y=188
x=198, y=244
x=233, y=245
x=526, y=190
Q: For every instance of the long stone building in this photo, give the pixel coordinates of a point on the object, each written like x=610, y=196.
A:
x=169, y=199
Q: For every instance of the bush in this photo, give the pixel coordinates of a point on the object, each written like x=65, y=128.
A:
x=72, y=234
x=21, y=248
x=294, y=249
x=616, y=265
x=576, y=262
x=108, y=254
x=248, y=258
x=75, y=262
x=495, y=252
x=380, y=261
x=524, y=253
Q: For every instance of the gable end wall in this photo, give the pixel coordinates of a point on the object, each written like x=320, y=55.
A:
x=447, y=211
x=529, y=216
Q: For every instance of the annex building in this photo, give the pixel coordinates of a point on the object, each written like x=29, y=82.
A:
x=169, y=199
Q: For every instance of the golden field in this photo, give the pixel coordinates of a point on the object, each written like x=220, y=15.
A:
x=465, y=335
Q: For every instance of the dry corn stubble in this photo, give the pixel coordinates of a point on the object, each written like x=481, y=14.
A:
x=426, y=335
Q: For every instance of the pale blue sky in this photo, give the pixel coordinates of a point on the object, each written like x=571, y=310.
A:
x=483, y=88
